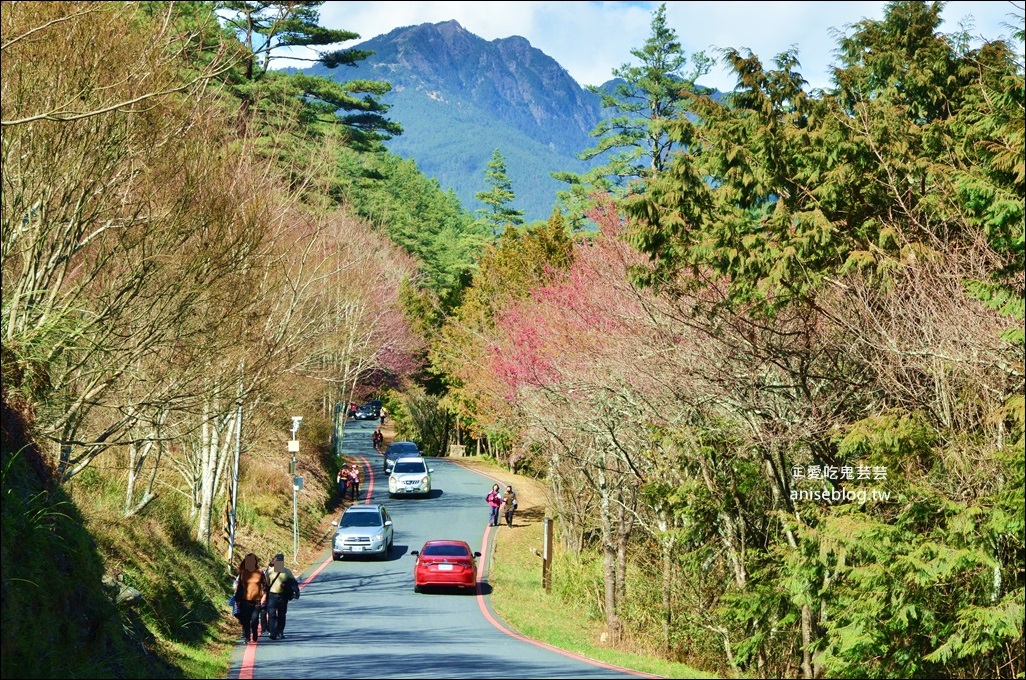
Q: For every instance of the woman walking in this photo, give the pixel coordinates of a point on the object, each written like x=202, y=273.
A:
x=249, y=595
x=494, y=499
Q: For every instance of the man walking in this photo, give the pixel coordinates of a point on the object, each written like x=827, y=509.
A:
x=281, y=583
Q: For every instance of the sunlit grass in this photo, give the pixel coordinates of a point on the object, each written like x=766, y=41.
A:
x=515, y=577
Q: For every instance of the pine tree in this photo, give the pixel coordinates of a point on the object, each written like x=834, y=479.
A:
x=499, y=214
x=634, y=142
x=269, y=30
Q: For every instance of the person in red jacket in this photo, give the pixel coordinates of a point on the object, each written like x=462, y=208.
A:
x=494, y=499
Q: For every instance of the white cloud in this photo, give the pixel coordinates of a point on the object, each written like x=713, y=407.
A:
x=591, y=39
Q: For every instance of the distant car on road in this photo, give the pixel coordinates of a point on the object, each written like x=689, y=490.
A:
x=366, y=412
x=444, y=562
x=363, y=530
x=397, y=450
x=410, y=476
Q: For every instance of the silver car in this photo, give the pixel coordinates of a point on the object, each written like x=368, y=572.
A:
x=363, y=530
x=410, y=475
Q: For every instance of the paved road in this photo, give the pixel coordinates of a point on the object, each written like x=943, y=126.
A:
x=359, y=617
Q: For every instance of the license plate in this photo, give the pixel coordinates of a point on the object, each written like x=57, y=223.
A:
x=357, y=548
x=444, y=567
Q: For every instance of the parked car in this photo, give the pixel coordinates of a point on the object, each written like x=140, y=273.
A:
x=444, y=563
x=363, y=530
x=397, y=450
x=410, y=476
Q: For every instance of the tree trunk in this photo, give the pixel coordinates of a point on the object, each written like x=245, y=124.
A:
x=608, y=559
x=666, y=556
x=807, y=670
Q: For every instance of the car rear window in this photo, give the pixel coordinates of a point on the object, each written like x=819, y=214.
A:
x=409, y=467
x=446, y=550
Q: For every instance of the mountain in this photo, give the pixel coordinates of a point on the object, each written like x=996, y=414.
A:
x=460, y=97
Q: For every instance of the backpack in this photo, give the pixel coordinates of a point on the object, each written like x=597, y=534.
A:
x=291, y=590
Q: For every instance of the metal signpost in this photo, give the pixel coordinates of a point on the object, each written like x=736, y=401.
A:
x=297, y=484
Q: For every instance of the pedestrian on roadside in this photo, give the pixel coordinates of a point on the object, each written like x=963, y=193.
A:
x=377, y=439
x=494, y=499
x=354, y=480
x=265, y=625
x=281, y=587
x=249, y=593
x=342, y=479
x=509, y=505
x=382, y=413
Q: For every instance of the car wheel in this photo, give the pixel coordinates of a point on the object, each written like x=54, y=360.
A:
x=417, y=588
x=337, y=557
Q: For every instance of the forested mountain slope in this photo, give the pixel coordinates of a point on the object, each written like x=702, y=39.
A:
x=460, y=97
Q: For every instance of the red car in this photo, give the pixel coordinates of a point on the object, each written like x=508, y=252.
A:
x=445, y=563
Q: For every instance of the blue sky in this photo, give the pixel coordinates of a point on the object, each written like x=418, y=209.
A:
x=590, y=39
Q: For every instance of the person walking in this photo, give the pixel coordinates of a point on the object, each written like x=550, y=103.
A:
x=377, y=439
x=494, y=499
x=354, y=480
x=382, y=414
x=509, y=505
x=265, y=625
x=249, y=593
x=342, y=479
x=281, y=585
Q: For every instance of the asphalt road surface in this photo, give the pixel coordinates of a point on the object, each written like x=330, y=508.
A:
x=359, y=617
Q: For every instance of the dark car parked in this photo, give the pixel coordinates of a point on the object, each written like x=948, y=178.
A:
x=397, y=450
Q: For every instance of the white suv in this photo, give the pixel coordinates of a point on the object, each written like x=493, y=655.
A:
x=410, y=475
x=363, y=530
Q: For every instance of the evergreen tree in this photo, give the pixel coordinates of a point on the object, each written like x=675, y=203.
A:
x=499, y=214
x=267, y=30
x=634, y=142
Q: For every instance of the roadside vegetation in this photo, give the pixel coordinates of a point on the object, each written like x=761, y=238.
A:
x=774, y=296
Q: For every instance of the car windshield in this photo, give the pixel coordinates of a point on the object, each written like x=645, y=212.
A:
x=408, y=467
x=401, y=449
x=445, y=550
x=360, y=519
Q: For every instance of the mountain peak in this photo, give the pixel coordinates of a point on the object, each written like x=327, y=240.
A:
x=451, y=87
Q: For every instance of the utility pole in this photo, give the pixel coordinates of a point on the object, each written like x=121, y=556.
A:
x=297, y=484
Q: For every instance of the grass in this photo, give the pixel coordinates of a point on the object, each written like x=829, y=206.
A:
x=571, y=622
